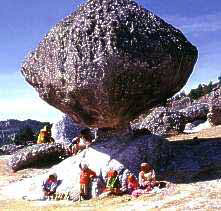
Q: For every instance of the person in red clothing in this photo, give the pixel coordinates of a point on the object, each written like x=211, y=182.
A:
x=132, y=183
x=85, y=178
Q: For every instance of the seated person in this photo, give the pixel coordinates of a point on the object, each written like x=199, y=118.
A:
x=45, y=136
x=81, y=142
x=132, y=183
x=147, y=178
x=86, y=175
x=50, y=186
x=113, y=183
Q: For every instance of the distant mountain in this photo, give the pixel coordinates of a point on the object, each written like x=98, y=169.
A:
x=11, y=127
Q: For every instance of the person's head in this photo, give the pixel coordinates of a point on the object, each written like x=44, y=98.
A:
x=131, y=178
x=115, y=173
x=112, y=173
x=86, y=133
x=84, y=167
x=52, y=177
x=146, y=167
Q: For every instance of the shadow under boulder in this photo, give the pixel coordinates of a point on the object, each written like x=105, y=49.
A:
x=36, y=155
x=194, y=160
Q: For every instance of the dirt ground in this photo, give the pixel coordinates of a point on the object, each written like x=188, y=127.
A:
x=204, y=195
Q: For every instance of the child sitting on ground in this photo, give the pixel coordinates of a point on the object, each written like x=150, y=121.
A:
x=132, y=183
x=147, y=180
x=50, y=185
x=86, y=175
x=113, y=183
x=147, y=177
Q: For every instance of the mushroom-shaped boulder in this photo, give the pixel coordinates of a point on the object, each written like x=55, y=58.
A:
x=108, y=62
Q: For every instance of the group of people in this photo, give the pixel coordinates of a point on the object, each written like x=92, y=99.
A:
x=136, y=187
x=145, y=183
x=78, y=144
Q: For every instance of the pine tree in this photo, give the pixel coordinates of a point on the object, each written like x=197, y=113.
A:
x=24, y=136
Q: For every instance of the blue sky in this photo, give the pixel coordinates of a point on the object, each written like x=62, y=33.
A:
x=23, y=24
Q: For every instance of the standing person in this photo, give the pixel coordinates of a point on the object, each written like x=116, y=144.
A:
x=81, y=142
x=50, y=186
x=86, y=175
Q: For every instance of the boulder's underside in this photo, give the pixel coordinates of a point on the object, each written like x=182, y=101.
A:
x=108, y=62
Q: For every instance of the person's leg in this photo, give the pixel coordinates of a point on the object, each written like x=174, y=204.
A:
x=81, y=192
x=86, y=191
x=46, y=193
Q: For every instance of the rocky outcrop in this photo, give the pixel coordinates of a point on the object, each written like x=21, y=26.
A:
x=123, y=156
x=195, y=112
x=181, y=104
x=162, y=121
x=9, y=149
x=214, y=115
x=36, y=155
x=108, y=62
x=10, y=128
x=65, y=130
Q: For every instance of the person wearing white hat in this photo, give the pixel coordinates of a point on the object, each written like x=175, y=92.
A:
x=147, y=177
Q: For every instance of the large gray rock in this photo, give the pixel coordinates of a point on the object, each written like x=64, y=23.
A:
x=37, y=155
x=214, y=115
x=123, y=156
x=108, y=62
x=181, y=103
x=197, y=111
x=162, y=121
x=9, y=149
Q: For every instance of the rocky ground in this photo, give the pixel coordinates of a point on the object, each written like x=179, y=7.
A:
x=201, y=195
